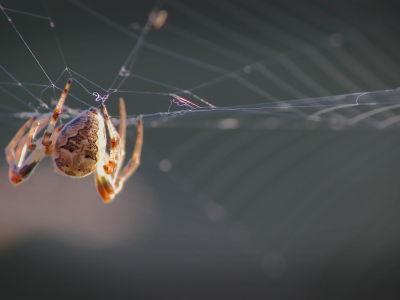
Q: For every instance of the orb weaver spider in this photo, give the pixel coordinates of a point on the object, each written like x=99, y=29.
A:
x=77, y=148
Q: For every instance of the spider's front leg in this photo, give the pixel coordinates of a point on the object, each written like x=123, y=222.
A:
x=47, y=135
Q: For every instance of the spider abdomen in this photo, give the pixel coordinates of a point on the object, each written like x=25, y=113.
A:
x=80, y=144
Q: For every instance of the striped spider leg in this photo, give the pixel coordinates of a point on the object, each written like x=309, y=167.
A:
x=110, y=184
x=21, y=168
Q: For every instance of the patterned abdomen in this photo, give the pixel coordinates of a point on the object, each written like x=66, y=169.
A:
x=81, y=144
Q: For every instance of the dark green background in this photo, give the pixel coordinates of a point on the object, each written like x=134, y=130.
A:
x=273, y=213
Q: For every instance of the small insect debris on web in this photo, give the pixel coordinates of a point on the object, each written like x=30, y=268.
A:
x=159, y=18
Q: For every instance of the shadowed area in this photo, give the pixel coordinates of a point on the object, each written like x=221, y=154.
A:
x=319, y=218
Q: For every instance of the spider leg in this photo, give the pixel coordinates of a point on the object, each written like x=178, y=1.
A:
x=134, y=162
x=108, y=186
x=122, y=134
x=10, y=149
x=20, y=151
x=37, y=127
x=47, y=136
x=18, y=174
x=104, y=183
x=115, y=144
x=54, y=136
x=26, y=142
x=32, y=133
x=20, y=168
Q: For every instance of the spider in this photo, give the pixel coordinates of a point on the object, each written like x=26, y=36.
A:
x=77, y=148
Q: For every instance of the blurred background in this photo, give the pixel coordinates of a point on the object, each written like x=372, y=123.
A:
x=218, y=209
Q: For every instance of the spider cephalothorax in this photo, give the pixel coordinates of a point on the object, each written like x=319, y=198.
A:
x=77, y=148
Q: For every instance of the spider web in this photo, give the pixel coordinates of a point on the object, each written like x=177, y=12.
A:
x=300, y=151
x=243, y=78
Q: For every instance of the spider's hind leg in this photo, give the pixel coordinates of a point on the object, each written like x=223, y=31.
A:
x=18, y=174
x=21, y=168
x=11, y=156
x=16, y=156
